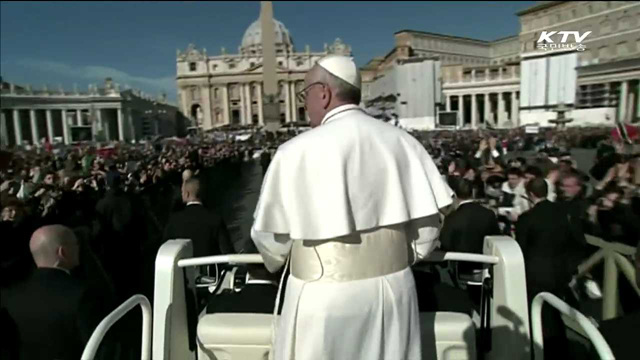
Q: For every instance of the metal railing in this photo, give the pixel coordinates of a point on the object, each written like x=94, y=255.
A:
x=93, y=344
x=600, y=344
x=221, y=259
x=613, y=255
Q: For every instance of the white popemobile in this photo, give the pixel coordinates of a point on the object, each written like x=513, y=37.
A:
x=503, y=328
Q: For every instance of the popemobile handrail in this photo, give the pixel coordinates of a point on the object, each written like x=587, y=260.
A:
x=93, y=344
x=510, y=317
x=221, y=259
x=613, y=254
x=600, y=344
x=436, y=256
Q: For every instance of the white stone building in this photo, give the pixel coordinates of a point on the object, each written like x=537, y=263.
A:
x=226, y=89
x=607, y=72
x=481, y=80
x=29, y=116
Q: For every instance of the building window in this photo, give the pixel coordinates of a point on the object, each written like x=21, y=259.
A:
x=299, y=63
x=624, y=22
x=605, y=27
x=192, y=66
x=252, y=64
x=621, y=49
x=602, y=52
x=232, y=66
x=195, y=94
x=279, y=63
x=233, y=89
x=590, y=9
x=214, y=67
x=216, y=93
x=574, y=13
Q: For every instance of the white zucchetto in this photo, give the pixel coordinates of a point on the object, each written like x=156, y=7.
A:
x=342, y=67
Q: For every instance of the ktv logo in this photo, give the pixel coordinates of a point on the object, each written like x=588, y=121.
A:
x=545, y=42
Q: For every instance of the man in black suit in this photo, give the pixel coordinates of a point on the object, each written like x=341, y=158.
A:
x=208, y=234
x=54, y=313
x=205, y=229
x=546, y=240
x=464, y=229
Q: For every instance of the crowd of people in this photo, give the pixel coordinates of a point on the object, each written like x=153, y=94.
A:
x=119, y=199
x=549, y=205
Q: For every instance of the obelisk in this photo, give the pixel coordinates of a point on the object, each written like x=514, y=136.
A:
x=270, y=103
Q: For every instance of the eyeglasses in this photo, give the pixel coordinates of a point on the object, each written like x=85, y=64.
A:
x=302, y=94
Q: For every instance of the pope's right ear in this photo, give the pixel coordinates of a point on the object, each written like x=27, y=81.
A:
x=327, y=95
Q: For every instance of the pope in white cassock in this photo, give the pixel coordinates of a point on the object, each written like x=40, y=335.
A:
x=351, y=205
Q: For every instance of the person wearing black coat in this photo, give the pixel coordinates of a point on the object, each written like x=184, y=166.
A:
x=206, y=229
x=547, y=242
x=465, y=228
x=54, y=313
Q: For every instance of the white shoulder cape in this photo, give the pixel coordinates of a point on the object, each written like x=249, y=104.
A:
x=353, y=173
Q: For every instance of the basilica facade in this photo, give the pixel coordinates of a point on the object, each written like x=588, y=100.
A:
x=226, y=89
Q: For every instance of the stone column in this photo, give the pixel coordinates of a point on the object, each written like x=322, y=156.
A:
x=515, y=109
x=4, y=132
x=487, y=108
x=622, y=100
x=49, y=126
x=294, y=102
x=103, y=126
x=500, y=73
x=448, y=103
x=287, y=102
x=249, y=104
x=487, y=73
x=260, y=113
x=474, y=111
x=243, y=104
x=17, y=126
x=79, y=117
x=205, y=95
x=66, y=134
x=34, y=127
x=461, y=108
x=120, y=125
x=132, y=129
x=473, y=75
x=185, y=106
x=630, y=109
x=638, y=100
x=501, y=111
x=225, y=104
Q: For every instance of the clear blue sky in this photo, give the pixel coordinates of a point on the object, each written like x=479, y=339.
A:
x=135, y=42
